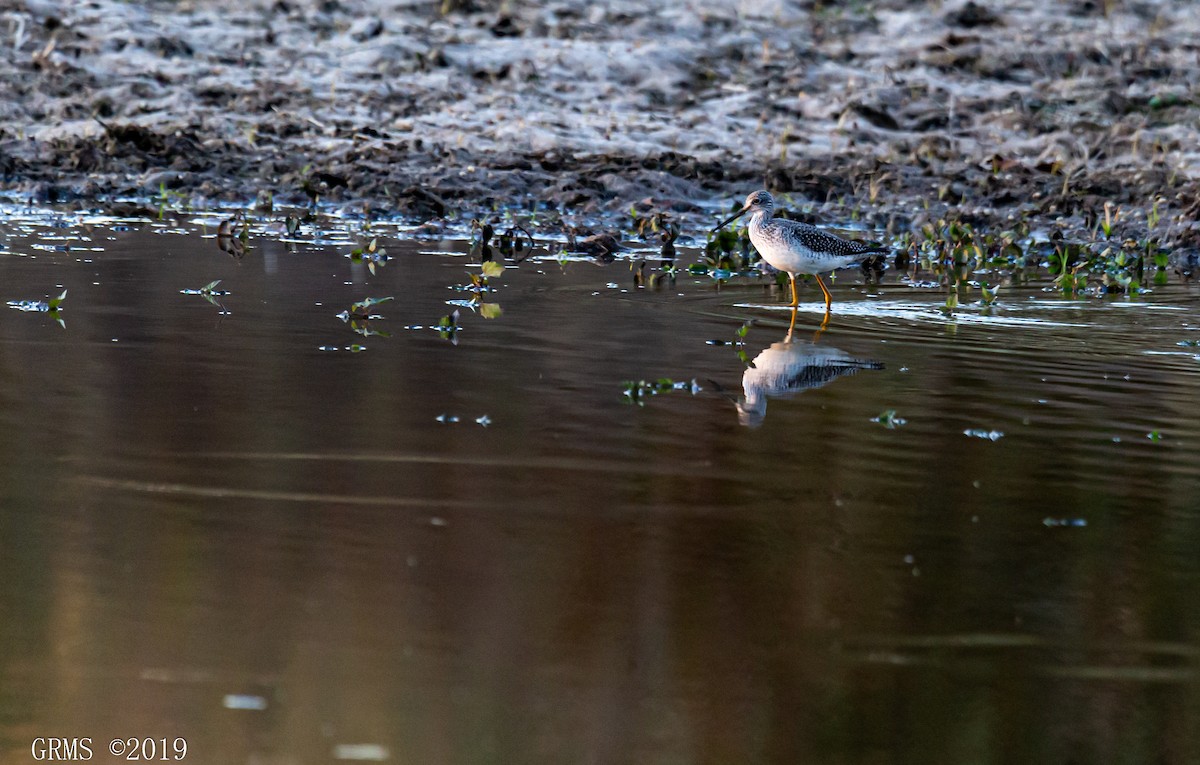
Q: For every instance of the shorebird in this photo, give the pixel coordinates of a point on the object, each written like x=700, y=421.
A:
x=798, y=248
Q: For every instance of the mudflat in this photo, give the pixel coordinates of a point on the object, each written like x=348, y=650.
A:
x=896, y=112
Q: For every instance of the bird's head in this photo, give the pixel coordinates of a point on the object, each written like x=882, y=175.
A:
x=758, y=202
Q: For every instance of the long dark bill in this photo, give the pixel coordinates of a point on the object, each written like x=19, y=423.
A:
x=731, y=218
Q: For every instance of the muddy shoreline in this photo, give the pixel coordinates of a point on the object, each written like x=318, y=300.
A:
x=890, y=113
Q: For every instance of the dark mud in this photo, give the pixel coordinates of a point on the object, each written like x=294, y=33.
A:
x=892, y=112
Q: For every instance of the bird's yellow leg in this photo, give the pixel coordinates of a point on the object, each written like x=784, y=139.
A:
x=795, y=297
x=791, y=327
x=828, y=297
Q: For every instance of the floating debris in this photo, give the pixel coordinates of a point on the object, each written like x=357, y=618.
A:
x=1055, y=522
x=241, y=701
x=361, y=752
x=990, y=435
x=636, y=391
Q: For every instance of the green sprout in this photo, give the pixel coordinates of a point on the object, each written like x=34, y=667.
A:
x=889, y=419
x=210, y=293
x=359, y=316
x=370, y=253
x=479, y=285
x=989, y=294
x=51, y=307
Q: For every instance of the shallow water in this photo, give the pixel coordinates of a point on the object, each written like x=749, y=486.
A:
x=214, y=529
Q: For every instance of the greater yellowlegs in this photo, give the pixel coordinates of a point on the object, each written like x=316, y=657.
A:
x=798, y=248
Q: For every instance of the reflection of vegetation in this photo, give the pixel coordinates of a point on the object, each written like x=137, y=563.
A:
x=514, y=243
x=490, y=310
x=51, y=307
x=291, y=224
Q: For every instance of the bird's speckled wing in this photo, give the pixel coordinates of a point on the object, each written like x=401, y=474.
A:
x=824, y=243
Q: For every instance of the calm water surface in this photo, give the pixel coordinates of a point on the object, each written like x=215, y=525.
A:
x=227, y=526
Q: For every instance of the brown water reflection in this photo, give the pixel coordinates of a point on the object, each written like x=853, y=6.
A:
x=198, y=508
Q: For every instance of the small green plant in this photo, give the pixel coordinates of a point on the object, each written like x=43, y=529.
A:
x=52, y=307
x=951, y=302
x=889, y=419
x=370, y=253
x=1107, y=224
x=480, y=286
x=667, y=275
x=362, y=308
x=989, y=294
x=448, y=328
x=739, y=341
x=210, y=293
x=359, y=316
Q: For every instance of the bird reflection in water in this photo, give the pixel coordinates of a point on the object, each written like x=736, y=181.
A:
x=788, y=367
